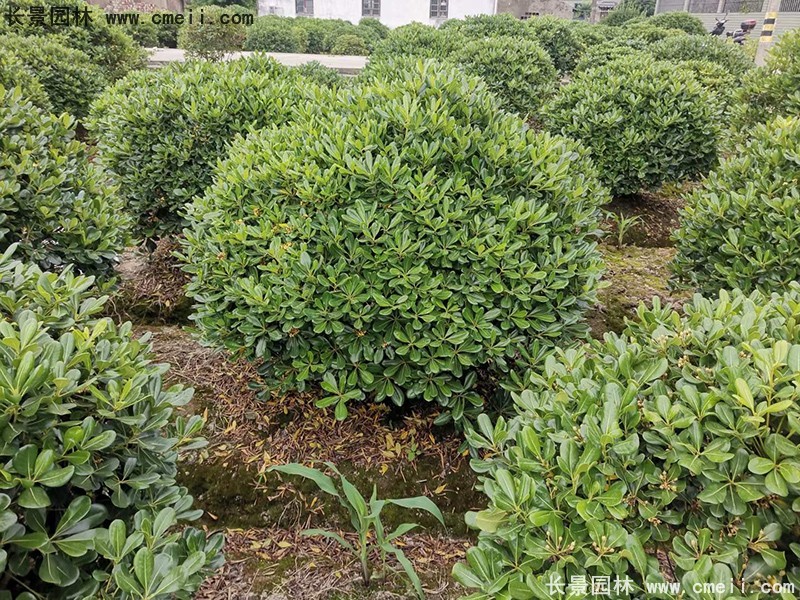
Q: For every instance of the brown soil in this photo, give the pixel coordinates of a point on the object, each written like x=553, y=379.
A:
x=405, y=456
x=657, y=215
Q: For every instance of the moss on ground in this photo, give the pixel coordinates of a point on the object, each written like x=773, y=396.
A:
x=633, y=275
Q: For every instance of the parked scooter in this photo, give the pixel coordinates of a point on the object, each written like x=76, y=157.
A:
x=740, y=35
x=719, y=28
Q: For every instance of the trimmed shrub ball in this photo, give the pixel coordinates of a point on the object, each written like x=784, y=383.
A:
x=69, y=77
x=677, y=438
x=679, y=20
x=703, y=47
x=518, y=71
x=404, y=243
x=161, y=134
x=89, y=444
x=741, y=227
x=54, y=202
x=645, y=122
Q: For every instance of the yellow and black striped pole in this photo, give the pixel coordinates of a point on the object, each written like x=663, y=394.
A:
x=767, y=30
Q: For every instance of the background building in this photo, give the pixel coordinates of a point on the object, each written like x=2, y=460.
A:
x=390, y=12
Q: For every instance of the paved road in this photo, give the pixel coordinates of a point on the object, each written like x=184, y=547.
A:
x=348, y=65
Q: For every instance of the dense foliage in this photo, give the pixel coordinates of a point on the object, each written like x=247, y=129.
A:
x=486, y=26
x=740, y=228
x=645, y=122
x=160, y=134
x=600, y=54
x=407, y=237
x=108, y=47
x=53, y=201
x=14, y=73
x=703, y=47
x=350, y=45
x=679, y=20
x=89, y=441
x=558, y=39
x=271, y=34
x=213, y=38
x=320, y=74
x=420, y=40
x=773, y=90
x=517, y=70
x=69, y=77
x=623, y=13
x=667, y=451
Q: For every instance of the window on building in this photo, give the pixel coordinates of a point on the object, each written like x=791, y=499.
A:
x=370, y=8
x=304, y=7
x=439, y=9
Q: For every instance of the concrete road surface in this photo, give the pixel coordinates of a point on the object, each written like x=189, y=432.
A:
x=347, y=65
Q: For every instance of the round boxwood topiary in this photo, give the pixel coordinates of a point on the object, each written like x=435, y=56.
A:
x=518, y=71
x=212, y=37
x=407, y=239
x=69, y=76
x=740, y=229
x=773, y=90
x=276, y=34
x=679, y=20
x=53, y=201
x=89, y=442
x=109, y=48
x=558, y=39
x=672, y=442
x=646, y=122
x=486, y=26
x=160, y=134
x=13, y=73
x=350, y=45
x=601, y=54
x=703, y=47
x=419, y=40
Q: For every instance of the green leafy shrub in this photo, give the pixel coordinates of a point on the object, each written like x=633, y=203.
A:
x=420, y=40
x=589, y=35
x=740, y=228
x=372, y=30
x=167, y=29
x=602, y=54
x=773, y=90
x=275, y=34
x=13, y=73
x=705, y=47
x=108, y=47
x=518, y=71
x=317, y=243
x=250, y=5
x=716, y=79
x=321, y=33
x=212, y=39
x=160, y=134
x=144, y=32
x=646, y=122
x=486, y=26
x=320, y=74
x=558, y=39
x=68, y=76
x=623, y=14
x=53, y=201
x=350, y=45
x=648, y=33
x=679, y=20
x=90, y=441
x=674, y=439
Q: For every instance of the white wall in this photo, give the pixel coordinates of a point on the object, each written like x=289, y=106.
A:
x=393, y=12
